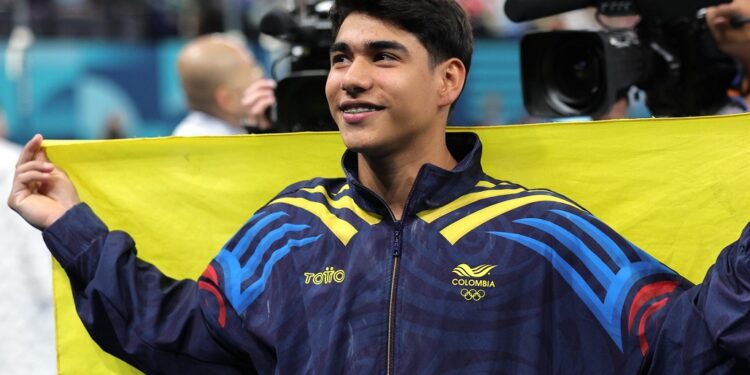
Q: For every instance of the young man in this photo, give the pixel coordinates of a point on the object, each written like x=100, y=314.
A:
x=416, y=262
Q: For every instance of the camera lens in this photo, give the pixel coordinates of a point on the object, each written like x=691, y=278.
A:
x=574, y=76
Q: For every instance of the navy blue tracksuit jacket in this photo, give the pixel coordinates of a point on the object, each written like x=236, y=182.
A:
x=479, y=276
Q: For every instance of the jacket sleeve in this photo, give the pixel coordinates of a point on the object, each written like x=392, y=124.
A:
x=706, y=330
x=136, y=313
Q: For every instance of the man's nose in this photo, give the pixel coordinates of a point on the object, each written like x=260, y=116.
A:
x=358, y=77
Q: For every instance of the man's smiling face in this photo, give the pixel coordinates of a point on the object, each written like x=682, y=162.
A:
x=382, y=90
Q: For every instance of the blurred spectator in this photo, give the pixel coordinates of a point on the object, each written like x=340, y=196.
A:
x=27, y=316
x=224, y=88
x=114, y=19
x=199, y=17
x=6, y=17
x=135, y=20
x=730, y=26
x=480, y=13
x=114, y=127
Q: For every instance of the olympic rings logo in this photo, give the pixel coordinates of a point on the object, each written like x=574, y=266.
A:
x=472, y=294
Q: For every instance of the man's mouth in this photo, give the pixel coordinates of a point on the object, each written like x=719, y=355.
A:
x=354, y=109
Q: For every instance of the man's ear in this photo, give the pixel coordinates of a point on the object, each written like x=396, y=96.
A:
x=222, y=98
x=453, y=77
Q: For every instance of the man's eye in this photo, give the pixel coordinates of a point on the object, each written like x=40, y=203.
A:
x=385, y=57
x=336, y=59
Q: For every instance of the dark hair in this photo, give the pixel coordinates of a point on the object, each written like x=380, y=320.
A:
x=440, y=25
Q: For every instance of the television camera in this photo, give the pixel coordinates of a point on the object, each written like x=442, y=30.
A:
x=301, y=104
x=670, y=55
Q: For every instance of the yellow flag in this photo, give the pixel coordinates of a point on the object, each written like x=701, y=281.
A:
x=678, y=188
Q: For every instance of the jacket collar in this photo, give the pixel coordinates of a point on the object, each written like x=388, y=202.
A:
x=434, y=186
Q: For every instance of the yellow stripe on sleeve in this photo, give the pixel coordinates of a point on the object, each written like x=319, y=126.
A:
x=460, y=228
x=342, y=229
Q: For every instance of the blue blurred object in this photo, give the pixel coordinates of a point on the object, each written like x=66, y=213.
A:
x=492, y=95
x=74, y=89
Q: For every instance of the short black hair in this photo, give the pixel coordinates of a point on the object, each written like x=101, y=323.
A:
x=442, y=26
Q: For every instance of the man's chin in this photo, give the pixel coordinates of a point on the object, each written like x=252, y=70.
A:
x=367, y=146
x=360, y=149
x=363, y=148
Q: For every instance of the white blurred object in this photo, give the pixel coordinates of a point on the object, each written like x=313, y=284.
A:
x=27, y=312
x=21, y=39
x=200, y=123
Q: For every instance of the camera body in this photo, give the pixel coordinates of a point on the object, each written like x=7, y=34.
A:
x=574, y=73
x=671, y=56
x=301, y=103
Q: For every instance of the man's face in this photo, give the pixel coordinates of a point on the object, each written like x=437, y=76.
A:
x=381, y=90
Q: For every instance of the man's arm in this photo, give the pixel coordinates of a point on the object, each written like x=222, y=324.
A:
x=136, y=313
x=131, y=309
x=706, y=330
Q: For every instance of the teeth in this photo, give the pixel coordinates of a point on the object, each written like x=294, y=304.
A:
x=355, y=110
x=359, y=110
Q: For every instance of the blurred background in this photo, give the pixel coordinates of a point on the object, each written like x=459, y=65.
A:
x=91, y=69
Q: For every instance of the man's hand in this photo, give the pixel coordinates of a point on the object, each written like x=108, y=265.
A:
x=257, y=99
x=734, y=41
x=41, y=192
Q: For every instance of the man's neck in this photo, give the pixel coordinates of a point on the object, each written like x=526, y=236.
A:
x=393, y=177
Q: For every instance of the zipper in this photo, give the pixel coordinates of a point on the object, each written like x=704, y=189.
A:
x=397, y=245
x=396, y=252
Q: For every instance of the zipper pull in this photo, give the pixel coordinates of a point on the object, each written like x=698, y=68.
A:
x=397, y=240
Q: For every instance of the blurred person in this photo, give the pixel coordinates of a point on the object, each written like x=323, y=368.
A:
x=730, y=25
x=114, y=127
x=480, y=15
x=27, y=316
x=420, y=263
x=200, y=17
x=224, y=88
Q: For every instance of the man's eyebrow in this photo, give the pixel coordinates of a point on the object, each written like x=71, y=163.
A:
x=379, y=45
x=375, y=45
x=339, y=47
